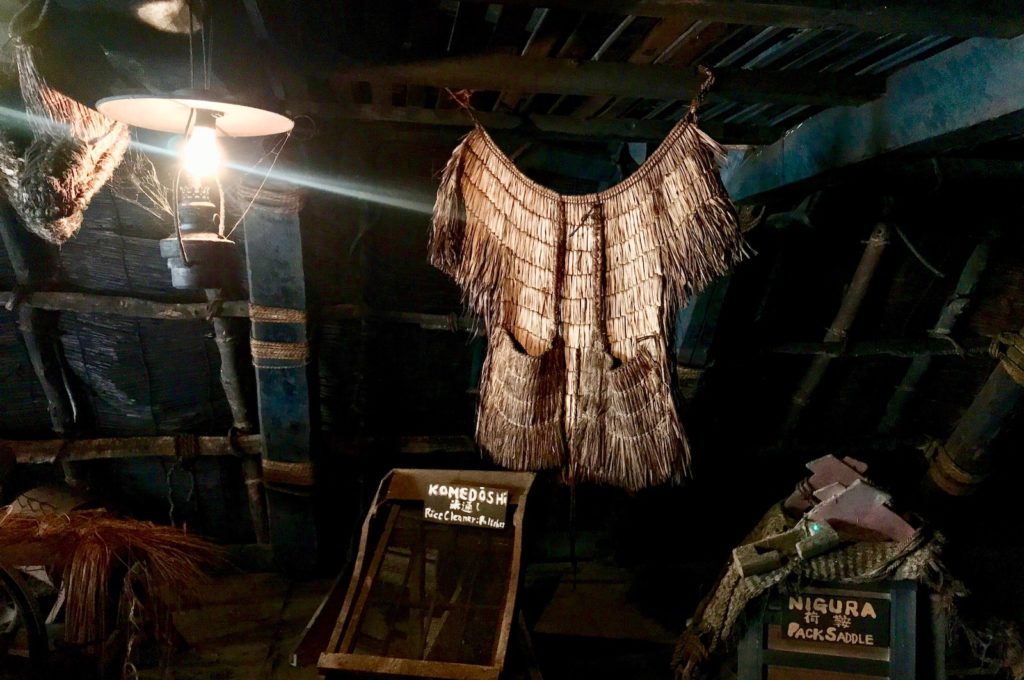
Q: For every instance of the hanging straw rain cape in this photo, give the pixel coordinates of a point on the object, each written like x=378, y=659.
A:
x=579, y=294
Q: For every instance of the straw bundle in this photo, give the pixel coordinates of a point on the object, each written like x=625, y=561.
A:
x=74, y=151
x=601, y=272
x=90, y=548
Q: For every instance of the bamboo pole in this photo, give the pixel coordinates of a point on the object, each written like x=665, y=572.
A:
x=848, y=309
x=951, y=311
x=897, y=347
x=962, y=462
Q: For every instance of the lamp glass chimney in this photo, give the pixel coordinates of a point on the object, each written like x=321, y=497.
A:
x=201, y=155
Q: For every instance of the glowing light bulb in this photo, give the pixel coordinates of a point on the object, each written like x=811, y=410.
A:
x=201, y=154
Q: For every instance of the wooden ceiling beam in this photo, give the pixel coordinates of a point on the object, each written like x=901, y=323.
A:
x=965, y=96
x=545, y=127
x=499, y=72
x=974, y=18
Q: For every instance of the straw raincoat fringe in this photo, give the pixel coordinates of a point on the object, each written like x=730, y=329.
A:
x=73, y=152
x=595, y=279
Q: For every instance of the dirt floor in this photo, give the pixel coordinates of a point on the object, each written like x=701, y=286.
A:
x=247, y=625
x=243, y=626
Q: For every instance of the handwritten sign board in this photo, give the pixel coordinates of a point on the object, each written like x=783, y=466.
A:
x=465, y=505
x=836, y=618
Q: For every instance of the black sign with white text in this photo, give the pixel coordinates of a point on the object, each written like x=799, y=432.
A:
x=478, y=506
x=838, y=619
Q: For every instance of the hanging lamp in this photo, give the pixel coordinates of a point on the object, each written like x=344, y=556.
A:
x=199, y=251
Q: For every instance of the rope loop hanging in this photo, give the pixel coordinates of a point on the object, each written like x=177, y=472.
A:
x=702, y=92
x=464, y=100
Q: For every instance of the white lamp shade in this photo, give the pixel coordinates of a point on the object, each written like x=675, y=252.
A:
x=168, y=113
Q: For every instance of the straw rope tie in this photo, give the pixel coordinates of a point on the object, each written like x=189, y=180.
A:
x=289, y=473
x=282, y=201
x=948, y=474
x=265, y=350
x=1008, y=348
x=263, y=314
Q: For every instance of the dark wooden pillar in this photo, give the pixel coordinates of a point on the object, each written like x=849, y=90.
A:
x=280, y=351
x=35, y=267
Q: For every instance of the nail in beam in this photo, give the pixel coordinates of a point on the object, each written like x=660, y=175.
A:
x=277, y=282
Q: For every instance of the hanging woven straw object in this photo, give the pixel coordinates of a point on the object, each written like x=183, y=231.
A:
x=579, y=294
x=73, y=152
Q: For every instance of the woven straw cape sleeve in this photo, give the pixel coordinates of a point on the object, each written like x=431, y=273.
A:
x=670, y=231
x=499, y=240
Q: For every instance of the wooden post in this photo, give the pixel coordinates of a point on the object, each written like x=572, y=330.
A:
x=841, y=323
x=954, y=306
x=228, y=334
x=34, y=263
x=277, y=295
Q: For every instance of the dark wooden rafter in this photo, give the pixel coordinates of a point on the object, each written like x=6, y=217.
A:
x=246, y=447
x=546, y=127
x=660, y=38
x=543, y=40
x=90, y=303
x=499, y=72
x=86, y=303
x=961, y=97
x=906, y=348
x=57, y=450
x=975, y=18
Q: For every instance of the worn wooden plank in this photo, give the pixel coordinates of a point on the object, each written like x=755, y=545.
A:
x=965, y=95
x=366, y=666
x=546, y=127
x=654, y=81
x=654, y=45
x=90, y=303
x=42, y=451
x=937, y=17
